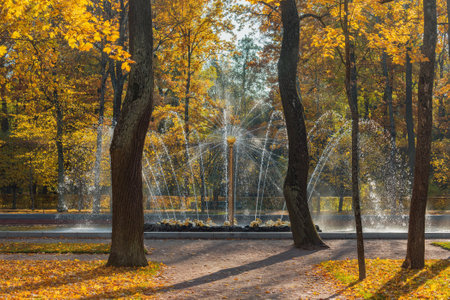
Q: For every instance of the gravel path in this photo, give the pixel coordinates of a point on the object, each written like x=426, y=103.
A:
x=248, y=269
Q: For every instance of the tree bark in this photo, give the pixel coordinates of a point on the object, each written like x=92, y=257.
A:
x=388, y=97
x=117, y=80
x=80, y=195
x=303, y=230
x=243, y=105
x=186, y=118
x=14, y=200
x=116, y=73
x=5, y=121
x=341, y=202
x=187, y=96
x=60, y=149
x=415, y=253
x=202, y=184
x=127, y=248
x=98, y=152
x=409, y=114
x=31, y=186
x=442, y=113
x=352, y=96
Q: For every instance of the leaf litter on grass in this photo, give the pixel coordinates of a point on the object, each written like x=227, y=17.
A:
x=387, y=280
x=70, y=279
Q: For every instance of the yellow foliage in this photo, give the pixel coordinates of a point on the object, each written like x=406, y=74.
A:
x=387, y=280
x=70, y=279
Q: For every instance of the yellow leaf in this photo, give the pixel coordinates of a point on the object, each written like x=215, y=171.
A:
x=3, y=50
x=15, y=35
x=72, y=42
x=126, y=67
x=97, y=37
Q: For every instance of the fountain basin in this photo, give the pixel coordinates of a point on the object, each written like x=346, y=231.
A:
x=214, y=235
x=327, y=223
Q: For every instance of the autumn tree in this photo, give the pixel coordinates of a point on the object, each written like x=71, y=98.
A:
x=295, y=185
x=247, y=76
x=188, y=35
x=42, y=46
x=351, y=89
x=110, y=44
x=127, y=248
x=415, y=255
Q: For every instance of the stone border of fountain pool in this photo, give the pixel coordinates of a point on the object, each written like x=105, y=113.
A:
x=214, y=235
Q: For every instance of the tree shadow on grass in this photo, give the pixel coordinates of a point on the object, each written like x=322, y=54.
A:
x=397, y=287
x=409, y=280
x=342, y=290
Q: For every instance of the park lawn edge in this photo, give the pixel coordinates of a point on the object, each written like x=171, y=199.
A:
x=444, y=245
x=387, y=280
x=56, y=248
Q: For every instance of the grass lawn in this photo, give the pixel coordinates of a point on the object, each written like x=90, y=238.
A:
x=56, y=248
x=445, y=245
x=387, y=280
x=33, y=227
x=73, y=279
x=81, y=248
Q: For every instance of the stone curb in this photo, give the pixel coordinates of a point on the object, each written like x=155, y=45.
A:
x=216, y=235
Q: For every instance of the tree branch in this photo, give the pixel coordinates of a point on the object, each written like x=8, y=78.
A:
x=319, y=18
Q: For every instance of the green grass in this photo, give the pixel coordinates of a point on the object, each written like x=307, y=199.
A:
x=33, y=227
x=79, y=248
x=56, y=248
x=445, y=245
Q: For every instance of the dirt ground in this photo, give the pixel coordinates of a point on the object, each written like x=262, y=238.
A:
x=248, y=269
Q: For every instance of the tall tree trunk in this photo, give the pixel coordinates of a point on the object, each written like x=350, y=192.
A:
x=441, y=115
x=295, y=185
x=127, y=248
x=117, y=80
x=187, y=96
x=98, y=152
x=5, y=121
x=186, y=119
x=202, y=184
x=14, y=200
x=415, y=253
x=388, y=97
x=60, y=149
x=116, y=73
x=31, y=187
x=80, y=195
x=352, y=96
x=341, y=202
x=243, y=106
x=318, y=203
x=409, y=113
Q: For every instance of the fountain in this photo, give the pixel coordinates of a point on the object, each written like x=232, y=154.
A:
x=235, y=170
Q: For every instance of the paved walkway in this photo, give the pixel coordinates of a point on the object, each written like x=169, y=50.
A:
x=249, y=269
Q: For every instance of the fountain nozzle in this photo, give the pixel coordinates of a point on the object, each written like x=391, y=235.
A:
x=231, y=140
